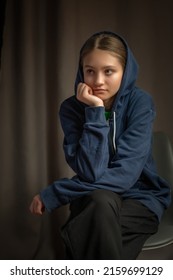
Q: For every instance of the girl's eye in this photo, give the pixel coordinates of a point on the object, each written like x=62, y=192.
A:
x=89, y=71
x=108, y=71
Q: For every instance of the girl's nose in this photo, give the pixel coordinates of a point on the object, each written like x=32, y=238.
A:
x=99, y=79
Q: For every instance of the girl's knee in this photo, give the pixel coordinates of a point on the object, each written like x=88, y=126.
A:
x=105, y=202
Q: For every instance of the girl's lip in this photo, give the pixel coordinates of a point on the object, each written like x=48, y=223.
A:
x=99, y=89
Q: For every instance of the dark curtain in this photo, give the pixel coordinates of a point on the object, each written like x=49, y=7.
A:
x=41, y=42
x=2, y=20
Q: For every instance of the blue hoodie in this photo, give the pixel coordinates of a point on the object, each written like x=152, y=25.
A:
x=114, y=155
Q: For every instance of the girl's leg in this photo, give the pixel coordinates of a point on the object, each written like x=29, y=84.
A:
x=93, y=230
x=102, y=226
x=138, y=224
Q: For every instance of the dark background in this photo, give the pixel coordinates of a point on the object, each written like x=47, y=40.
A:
x=41, y=42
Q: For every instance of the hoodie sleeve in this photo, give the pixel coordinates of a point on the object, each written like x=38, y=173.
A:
x=85, y=140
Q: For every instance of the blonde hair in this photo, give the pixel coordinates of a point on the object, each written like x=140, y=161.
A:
x=105, y=41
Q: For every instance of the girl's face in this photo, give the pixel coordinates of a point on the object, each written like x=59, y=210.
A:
x=103, y=74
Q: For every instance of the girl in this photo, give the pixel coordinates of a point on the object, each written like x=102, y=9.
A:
x=116, y=197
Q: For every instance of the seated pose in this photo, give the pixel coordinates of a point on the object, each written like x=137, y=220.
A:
x=116, y=197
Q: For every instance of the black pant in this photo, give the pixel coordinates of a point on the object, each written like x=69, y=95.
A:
x=104, y=226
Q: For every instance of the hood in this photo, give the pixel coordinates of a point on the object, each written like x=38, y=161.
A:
x=130, y=71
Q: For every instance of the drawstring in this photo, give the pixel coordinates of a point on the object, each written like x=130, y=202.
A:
x=114, y=131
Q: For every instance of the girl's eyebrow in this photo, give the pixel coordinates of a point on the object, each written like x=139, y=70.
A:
x=88, y=66
x=104, y=67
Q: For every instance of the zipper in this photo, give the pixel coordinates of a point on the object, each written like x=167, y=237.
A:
x=112, y=134
x=114, y=131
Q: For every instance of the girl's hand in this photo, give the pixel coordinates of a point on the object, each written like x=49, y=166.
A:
x=85, y=95
x=37, y=207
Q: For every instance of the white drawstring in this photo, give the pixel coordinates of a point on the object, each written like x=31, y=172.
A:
x=114, y=131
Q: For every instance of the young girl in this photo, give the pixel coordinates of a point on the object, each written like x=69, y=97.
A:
x=116, y=198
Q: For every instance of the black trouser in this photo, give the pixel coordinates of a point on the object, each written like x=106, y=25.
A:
x=104, y=226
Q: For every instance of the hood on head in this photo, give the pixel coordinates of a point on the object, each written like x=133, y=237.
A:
x=130, y=71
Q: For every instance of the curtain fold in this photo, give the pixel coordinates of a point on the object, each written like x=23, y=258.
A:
x=2, y=20
x=29, y=126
